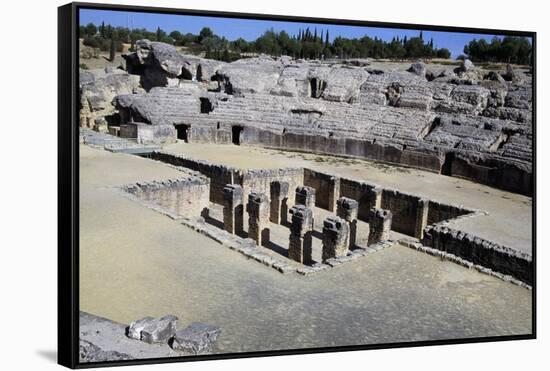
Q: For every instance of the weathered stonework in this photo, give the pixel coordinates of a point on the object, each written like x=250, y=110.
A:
x=258, y=218
x=299, y=248
x=279, y=202
x=421, y=217
x=347, y=209
x=335, y=238
x=480, y=252
x=181, y=197
x=305, y=196
x=327, y=188
x=233, y=209
x=379, y=225
x=463, y=122
x=152, y=330
x=197, y=338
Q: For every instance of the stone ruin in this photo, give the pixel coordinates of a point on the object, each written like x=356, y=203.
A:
x=257, y=216
x=461, y=121
x=300, y=243
x=336, y=238
x=347, y=209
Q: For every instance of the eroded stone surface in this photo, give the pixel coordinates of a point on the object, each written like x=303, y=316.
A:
x=461, y=121
x=196, y=338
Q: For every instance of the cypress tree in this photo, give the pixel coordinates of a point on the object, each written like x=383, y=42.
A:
x=112, y=50
x=326, y=39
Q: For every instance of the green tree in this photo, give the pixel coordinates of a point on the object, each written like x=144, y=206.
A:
x=206, y=32
x=90, y=29
x=112, y=50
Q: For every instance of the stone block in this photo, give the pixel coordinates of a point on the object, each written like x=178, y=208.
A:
x=335, y=237
x=305, y=196
x=258, y=218
x=233, y=208
x=196, y=338
x=379, y=225
x=279, y=202
x=300, y=240
x=152, y=330
x=347, y=209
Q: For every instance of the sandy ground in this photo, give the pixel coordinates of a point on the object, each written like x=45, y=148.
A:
x=509, y=221
x=136, y=262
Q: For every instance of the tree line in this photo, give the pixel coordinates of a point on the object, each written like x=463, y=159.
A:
x=308, y=44
x=509, y=49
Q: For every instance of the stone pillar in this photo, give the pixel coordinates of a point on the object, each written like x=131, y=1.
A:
x=233, y=209
x=333, y=193
x=305, y=196
x=279, y=202
x=348, y=209
x=375, y=197
x=258, y=218
x=335, y=237
x=379, y=225
x=299, y=247
x=421, y=217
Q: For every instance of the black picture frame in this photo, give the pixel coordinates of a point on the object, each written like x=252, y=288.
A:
x=68, y=183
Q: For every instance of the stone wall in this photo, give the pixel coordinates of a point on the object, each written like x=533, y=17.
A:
x=219, y=175
x=438, y=212
x=218, y=133
x=404, y=210
x=367, y=195
x=260, y=181
x=327, y=187
x=181, y=197
x=481, y=252
x=494, y=173
x=352, y=147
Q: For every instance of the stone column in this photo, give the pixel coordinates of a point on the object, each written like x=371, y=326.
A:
x=335, y=237
x=333, y=193
x=421, y=217
x=305, y=196
x=379, y=225
x=348, y=209
x=299, y=247
x=233, y=208
x=375, y=197
x=279, y=200
x=258, y=218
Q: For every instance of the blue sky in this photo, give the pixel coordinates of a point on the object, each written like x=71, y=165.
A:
x=249, y=29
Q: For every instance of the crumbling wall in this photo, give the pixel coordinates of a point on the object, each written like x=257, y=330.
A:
x=404, y=209
x=259, y=180
x=367, y=195
x=181, y=197
x=327, y=188
x=219, y=175
x=481, y=252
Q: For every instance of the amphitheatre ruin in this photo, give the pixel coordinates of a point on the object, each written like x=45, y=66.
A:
x=298, y=203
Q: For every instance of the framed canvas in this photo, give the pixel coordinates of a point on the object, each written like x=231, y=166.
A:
x=244, y=185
